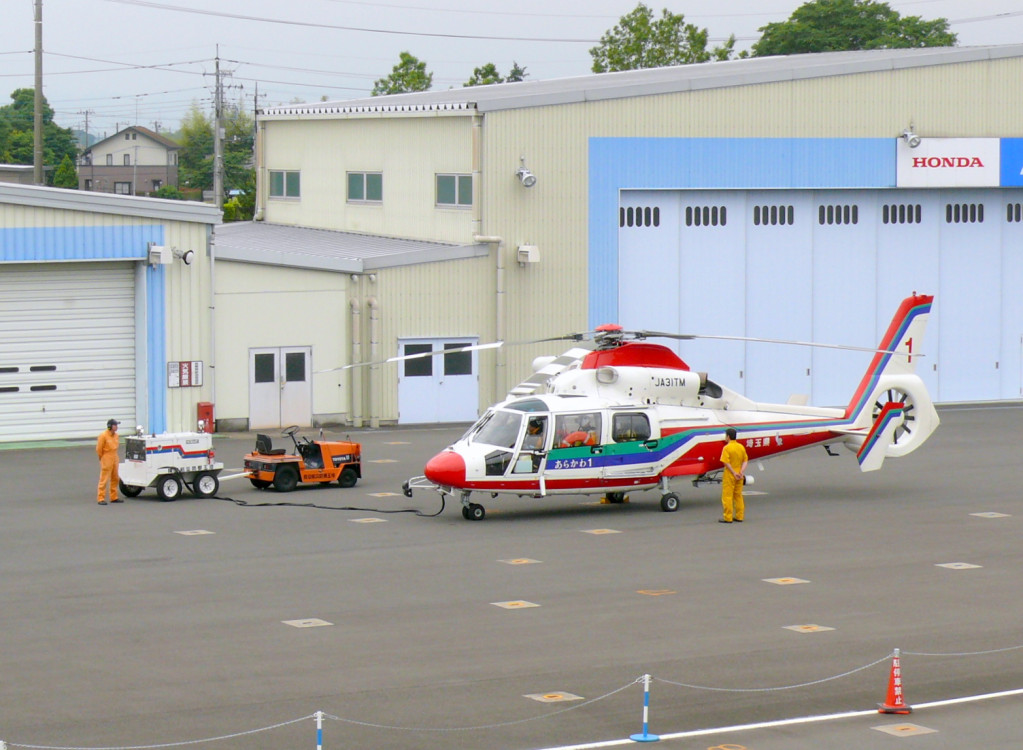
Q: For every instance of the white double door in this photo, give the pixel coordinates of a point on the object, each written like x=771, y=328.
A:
x=442, y=386
x=280, y=387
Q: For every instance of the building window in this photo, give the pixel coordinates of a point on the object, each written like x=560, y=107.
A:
x=88, y=184
x=640, y=216
x=457, y=362
x=418, y=367
x=901, y=213
x=454, y=190
x=122, y=188
x=157, y=184
x=110, y=160
x=838, y=214
x=365, y=187
x=285, y=184
x=127, y=160
x=127, y=136
x=964, y=213
x=706, y=216
x=1014, y=212
x=774, y=215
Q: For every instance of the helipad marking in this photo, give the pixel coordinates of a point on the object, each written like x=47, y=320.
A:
x=368, y=520
x=753, y=493
x=958, y=565
x=519, y=561
x=904, y=730
x=808, y=628
x=384, y=461
x=991, y=514
x=784, y=581
x=383, y=494
x=311, y=622
x=514, y=605
x=600, y=531
x=656, y=592
x=194, y=532
x=553, y=697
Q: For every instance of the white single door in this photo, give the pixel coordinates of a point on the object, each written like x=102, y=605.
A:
x=441, y=387
x=280, y=387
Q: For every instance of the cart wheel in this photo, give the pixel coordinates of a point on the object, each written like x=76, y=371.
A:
x=259, y=484
x=286, y=479
x=168, y=487
x=205, y=484
x=348, y=477
x=129, y=490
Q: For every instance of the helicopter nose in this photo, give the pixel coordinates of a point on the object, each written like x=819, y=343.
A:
x=446, y=469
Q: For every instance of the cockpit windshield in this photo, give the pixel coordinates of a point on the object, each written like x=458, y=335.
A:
x=497, y=428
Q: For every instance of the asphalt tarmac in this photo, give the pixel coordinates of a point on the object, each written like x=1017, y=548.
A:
x=205, y=623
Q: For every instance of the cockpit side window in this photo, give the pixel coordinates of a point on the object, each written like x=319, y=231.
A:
x=501, y=430
x=626, y=428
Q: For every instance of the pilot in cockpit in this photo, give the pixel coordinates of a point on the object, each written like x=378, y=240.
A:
x=533, y=439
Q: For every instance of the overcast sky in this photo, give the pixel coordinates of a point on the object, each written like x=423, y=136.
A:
x=146, y=61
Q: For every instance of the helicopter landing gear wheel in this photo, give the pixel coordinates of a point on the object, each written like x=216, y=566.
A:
x=474, y=512
x=615, y=497
x=669, y=502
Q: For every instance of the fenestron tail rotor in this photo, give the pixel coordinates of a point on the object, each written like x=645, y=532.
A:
x=905, y=432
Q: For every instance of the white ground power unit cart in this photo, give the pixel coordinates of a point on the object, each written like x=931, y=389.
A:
x=170, y=462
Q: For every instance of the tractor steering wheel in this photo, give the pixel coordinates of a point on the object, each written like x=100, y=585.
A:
x=290, y=431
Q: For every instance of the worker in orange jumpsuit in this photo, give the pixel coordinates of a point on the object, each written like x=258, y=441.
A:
x=106, y=448
x=734, y=458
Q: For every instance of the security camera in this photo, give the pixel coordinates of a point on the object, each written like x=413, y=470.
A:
x=527, y=178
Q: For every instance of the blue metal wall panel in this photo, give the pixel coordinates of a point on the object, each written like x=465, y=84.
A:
x=1012, y=162
x=36, y=244
x=704, y=163
x=156, y=344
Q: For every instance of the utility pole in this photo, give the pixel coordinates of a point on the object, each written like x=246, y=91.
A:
x=218, y=138
x=85, y=146
x=37, y=149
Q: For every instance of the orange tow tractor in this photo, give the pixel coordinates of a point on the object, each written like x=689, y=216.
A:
x=314, y=461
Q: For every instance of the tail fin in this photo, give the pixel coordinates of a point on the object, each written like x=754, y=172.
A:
x=891, y=413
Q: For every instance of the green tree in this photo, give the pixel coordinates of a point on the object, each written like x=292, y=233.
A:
x=408, y=75
x=17, y=132
x=169, y=192
x=195, y=160
x=830, y=25
x=66, y=176
x=489, y=73
x=639, y=40
x=517, y=73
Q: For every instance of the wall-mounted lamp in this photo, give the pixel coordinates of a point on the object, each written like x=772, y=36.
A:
x=527, y=178
x=185, y=257
x=911, y=138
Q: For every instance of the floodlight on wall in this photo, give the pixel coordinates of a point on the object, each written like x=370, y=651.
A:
x=527, y=178
x=185, y=257
x=911, y=138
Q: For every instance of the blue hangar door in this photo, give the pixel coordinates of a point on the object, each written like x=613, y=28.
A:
x=828, y=266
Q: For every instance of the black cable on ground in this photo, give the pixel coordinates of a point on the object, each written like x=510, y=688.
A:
x=246, y=504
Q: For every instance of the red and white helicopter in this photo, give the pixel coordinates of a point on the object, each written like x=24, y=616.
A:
x=631, y=415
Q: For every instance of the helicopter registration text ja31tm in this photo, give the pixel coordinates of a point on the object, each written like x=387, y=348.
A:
x=630, y=415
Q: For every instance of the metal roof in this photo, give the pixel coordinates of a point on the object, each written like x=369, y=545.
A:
x=327, y=250
x=108, y=203
x=651, y=81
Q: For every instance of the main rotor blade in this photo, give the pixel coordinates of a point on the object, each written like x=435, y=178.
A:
x=758, y=340
x=420, y=355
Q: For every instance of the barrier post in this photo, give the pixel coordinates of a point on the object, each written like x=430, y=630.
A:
x=319, y=730
x=646, y=736
x=895, y=700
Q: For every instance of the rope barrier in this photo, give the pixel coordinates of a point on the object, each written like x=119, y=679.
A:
x=644, y=679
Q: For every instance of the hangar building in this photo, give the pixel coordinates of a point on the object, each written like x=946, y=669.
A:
x=795, y=197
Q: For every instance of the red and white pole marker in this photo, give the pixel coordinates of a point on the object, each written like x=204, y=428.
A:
x=895, y=702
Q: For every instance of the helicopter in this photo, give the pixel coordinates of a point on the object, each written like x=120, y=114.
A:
x=625, y=414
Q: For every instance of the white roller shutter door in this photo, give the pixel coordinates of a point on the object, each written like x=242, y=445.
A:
x=67, y=349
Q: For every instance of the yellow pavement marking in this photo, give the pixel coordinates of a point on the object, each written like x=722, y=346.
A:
x=958, y=565
x=520, y=561
x=600, y=531
x=312, y=622
x=398, y=442
x=514, y=605
x=367, y=520
x=384, y=461
x=784, y=581
x=384, y=494
x=656, y=592
x=194, y=532
x=904, y=730
x=553, y=697
x=990, y=514
x=808, y=628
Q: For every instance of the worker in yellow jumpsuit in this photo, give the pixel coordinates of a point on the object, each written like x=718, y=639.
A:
x=734, y=458
x=106, y=448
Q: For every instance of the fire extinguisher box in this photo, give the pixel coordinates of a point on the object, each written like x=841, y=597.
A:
x=204, y=415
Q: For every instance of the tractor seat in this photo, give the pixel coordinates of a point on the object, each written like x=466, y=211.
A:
x=265, y=446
